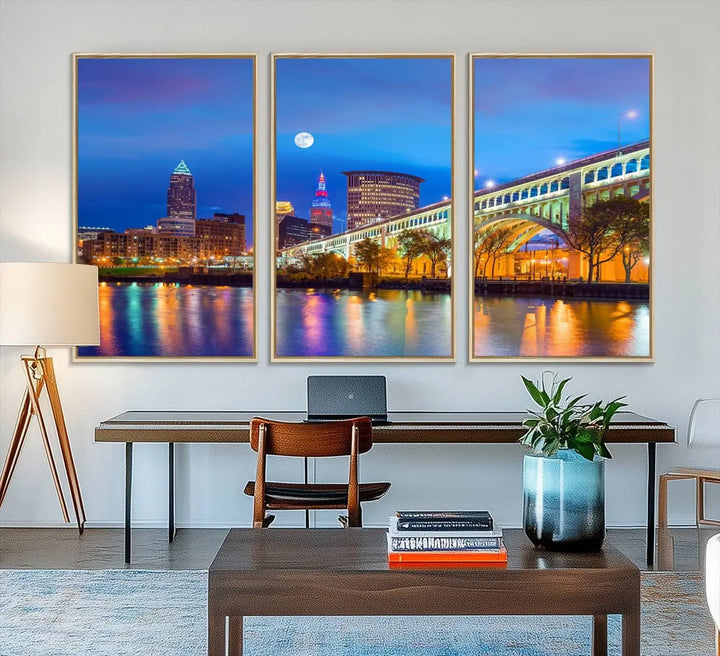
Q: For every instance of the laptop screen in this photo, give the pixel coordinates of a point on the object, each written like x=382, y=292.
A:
x=341, y=397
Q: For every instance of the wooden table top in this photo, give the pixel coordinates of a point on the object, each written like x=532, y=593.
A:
x=402, y=427
x=365, y=549
x=346, y=572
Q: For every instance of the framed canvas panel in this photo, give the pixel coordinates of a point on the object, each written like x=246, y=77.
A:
x=164, y=200
x=363, y=213
x=561, y=212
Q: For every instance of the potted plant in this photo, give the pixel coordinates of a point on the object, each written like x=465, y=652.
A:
x=564, y=473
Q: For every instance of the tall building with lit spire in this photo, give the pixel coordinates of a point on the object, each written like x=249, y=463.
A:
x=321, y=210
x=181, y=198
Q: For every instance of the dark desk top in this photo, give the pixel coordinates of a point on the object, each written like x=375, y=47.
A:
x=403, y=427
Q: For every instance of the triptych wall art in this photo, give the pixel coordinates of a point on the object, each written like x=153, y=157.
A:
x=362, y=219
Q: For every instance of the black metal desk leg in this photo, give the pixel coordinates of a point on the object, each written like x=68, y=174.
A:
x=651, y=505
x=128, y=497
x=171, y=491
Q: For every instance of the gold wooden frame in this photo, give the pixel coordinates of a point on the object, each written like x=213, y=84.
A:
x=40, y=374
x=253, y=58
x=472, y=357
x=273, y=192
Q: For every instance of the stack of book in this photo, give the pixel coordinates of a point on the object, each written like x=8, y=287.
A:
x=445, y=538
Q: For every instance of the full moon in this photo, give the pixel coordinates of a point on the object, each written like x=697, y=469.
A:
x=304, y=140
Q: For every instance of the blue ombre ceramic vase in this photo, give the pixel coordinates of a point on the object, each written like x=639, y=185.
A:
x=564, y=501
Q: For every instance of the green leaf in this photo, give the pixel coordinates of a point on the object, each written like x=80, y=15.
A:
x=586, y=451
x=558, y=393
x=595, y=411
x=571, y=404
x=585, y=437
x=533, y=391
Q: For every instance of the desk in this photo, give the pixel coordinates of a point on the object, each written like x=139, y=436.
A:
x=287, y=572
x=403, y=427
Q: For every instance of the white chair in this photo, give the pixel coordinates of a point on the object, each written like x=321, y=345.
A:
x=712, y=584
x=703, y=430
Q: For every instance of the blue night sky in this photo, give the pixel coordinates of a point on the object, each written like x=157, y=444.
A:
x=137, y=118
x=531, y=111
x=388, y=114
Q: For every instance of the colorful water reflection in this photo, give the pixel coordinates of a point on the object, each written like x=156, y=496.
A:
x=544, y=327
x=348, y=323
x=172, y=320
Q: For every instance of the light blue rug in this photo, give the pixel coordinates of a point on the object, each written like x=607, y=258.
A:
x=154, y=613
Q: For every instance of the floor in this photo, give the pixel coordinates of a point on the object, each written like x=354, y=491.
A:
x=681, y=549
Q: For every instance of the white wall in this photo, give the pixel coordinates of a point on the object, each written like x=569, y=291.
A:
x=38, y=37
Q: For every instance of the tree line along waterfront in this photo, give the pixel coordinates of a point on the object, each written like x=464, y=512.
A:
x=420, y=260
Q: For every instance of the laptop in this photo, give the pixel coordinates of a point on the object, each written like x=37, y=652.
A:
x=330, y=398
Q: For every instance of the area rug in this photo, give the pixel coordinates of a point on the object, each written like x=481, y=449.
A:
x=153, y=613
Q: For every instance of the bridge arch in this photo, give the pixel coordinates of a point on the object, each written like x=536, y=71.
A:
x=520, y=219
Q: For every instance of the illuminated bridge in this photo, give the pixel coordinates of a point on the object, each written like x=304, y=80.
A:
x=546, y=200
x=433, y=218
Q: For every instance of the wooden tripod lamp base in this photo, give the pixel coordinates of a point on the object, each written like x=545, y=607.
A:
x=40, y=375
x=54, y=304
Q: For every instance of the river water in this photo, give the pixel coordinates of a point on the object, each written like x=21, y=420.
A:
x=568, y=327
x=172, y=320
x=347, y=323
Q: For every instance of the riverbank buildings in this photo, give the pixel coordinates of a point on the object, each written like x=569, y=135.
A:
x=178, y=238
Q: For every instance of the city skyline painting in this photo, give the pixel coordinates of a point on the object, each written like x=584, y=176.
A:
x=164, y=159
x=362, y=184
x=560, y=237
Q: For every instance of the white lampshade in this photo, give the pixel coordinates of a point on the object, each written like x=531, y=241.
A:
x=48, y=304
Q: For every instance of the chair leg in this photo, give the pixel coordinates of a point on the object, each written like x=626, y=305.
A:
x=662, y=501
x=354, y=517
x=700, y=501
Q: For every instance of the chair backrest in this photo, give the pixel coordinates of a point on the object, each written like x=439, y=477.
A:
x=312, y=440
x=704, y=423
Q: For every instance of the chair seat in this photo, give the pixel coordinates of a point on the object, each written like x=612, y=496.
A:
x=284, y=495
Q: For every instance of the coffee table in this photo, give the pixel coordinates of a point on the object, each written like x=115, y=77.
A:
x=321, y=572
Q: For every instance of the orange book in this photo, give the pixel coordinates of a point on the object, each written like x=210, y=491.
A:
x=439, y=564
x=458, y=557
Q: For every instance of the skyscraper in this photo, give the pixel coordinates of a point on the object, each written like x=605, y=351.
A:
x=376, y=195
x=181, y=200
x=282, y=209
x=321, y=210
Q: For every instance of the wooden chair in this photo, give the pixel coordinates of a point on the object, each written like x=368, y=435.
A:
x=349, y=437
x=703, y=428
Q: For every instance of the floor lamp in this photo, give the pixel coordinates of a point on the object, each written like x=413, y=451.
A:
x=46, y=304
